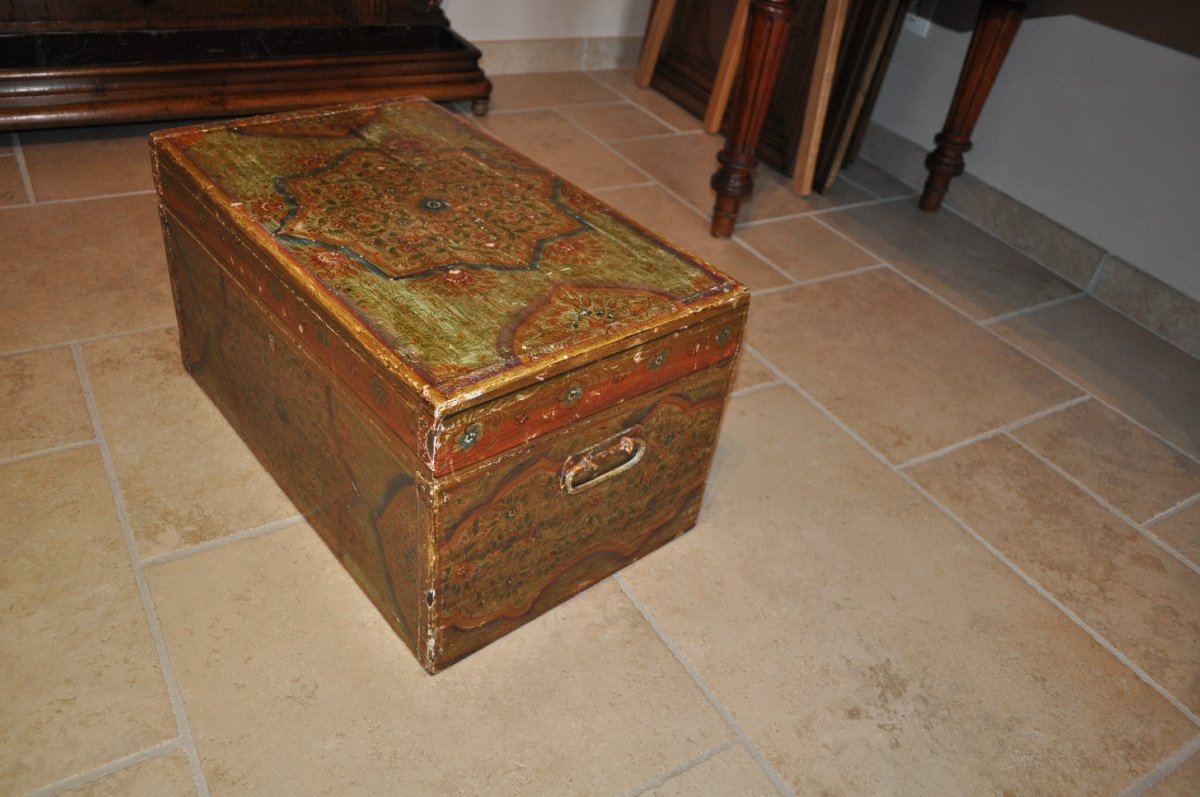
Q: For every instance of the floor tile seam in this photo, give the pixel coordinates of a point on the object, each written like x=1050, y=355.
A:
x=221, y=542
x=749, y=247
x=109, y=768
x=817, y=212
x=847, y=178
x=997, y=431
x=1033, y=308
x=607, y=146
x=622, y=186
x=995, y=552
x=47, y=452
x=1099, y=399
x=684, y=662
x=620, y=93
x=1164, y=768
x=18, y=152
x=1106, y=504
x=73, y=200
x=171, y=683
x=657, y=136
x=1167, y=514
x=691, y=763
x=67, y=344
x=841, y=275
x=749, y=390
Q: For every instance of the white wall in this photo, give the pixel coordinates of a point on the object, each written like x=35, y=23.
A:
x=1092, y=127
x=499, y=20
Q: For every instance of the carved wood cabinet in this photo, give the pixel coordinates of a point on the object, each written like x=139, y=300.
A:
x=75, y=62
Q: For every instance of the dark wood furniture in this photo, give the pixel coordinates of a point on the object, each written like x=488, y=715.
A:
x=76, y=62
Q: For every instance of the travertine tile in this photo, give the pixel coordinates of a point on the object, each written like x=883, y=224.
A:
x=70, y=163
x=561, y=147
x=12, y=186
x=1182, y=532
x=869, y=646
x=609, y=122
x=805, y=248
x=294, y=684
x=81, y=269
x=906, y=372
x=958, y=261
x=185, y=474
x=1120, y=461
x=685, y=163
x=1183, y=782
x=1151, y=302
x=732, y=771
x=750, y=371
x=656, y=209
x=82, y=684
x=879, y=182
x=1120, y=583
x=41, y=403
x=1144, y=376
x=165, y=775
x=544, y=89
x=622, y=82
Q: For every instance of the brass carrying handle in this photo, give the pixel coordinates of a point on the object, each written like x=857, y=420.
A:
x=602, y=462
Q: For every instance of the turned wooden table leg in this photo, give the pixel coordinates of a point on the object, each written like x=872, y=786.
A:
x=770, y=21
x=994, y=32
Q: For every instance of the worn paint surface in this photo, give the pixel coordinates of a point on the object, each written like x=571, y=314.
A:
x=467, y=481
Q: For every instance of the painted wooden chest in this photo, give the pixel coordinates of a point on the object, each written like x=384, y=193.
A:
x=483, y=387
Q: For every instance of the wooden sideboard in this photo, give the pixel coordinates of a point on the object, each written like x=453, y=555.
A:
x=78, y=62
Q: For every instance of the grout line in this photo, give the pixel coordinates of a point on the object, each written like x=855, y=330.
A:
x=1033, y=308
x=116, y=765
x=628, y=98
x=139, y=575
x=1164, y=768
x=1166, y=514
x=751, y=389
x=979, y=538
x=916, y=189
x=854, y=272
x=801, y=214
x=642, y=184
x=654, y=783
x=1103, y=502
x=45, y=452
x=682, y=658
x=742, y=242
x=19, y=154
x=66, y=344
x=73, y=200
x=669, y=134
x=221, y=542
x=1094, y=282
x=841, y=175
x=999, y=430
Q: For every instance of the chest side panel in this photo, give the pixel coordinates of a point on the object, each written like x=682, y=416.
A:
x=518, y=538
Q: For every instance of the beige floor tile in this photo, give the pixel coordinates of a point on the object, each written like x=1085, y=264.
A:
x=883, y=184
x=869, y=646
x=294, y=684
x=544, y=89
x=805, y=248
x=656, y=209
x=561, y=147
x=751, y=372
x=80, y=162
x=81, y=269
x=82, y=684
x=611, y=122
x=1124, y=464
x=1183, y=782
x=972, y=270
x=12, y=186
x=622, y=82
x=685, y=163
x=1120, y=583
x=41, y=403
x=1138, y=372
x=731, y=772
x=185, y=474
x=1182, y=532
x=165, y=775
x=906, y=372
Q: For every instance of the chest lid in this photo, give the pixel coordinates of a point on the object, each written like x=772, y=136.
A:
x=468, y=269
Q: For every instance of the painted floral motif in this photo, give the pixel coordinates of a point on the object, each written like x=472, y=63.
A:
x=572, y=313
x=400, y=217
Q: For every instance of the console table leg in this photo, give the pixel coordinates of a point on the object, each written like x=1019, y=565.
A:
x=994, y=32
x=770, y=21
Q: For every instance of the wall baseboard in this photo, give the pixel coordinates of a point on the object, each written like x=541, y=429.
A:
x=559, y=55
x=1161, y=308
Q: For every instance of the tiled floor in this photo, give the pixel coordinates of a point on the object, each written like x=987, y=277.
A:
x=951, y=544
